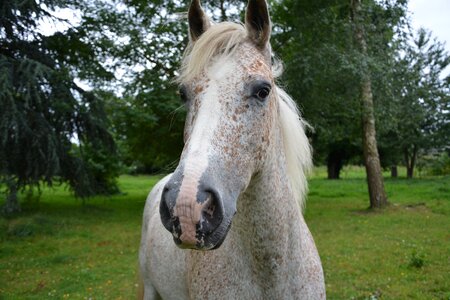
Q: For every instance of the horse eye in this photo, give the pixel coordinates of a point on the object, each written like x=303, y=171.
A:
x=263, y=93
x=183, y=94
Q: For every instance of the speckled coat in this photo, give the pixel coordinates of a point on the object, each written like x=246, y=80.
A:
x=235, y=138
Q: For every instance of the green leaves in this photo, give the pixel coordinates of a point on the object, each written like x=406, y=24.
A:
x=324, y=68
x=422, y=98
x=42, y=111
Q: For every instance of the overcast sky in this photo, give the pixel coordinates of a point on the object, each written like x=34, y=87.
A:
x=433, y=15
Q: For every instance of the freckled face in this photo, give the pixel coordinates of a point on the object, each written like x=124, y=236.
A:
x=231, y=113
x=233, y=101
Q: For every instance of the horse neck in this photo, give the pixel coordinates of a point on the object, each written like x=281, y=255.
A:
x=270, y=227
x=268, y=204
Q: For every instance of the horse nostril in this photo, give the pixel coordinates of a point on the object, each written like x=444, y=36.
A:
x=209, y=208
x=165, y=211
x=212, y=212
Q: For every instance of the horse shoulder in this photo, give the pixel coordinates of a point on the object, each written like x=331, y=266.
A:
x=310, y=267
x=161, y=262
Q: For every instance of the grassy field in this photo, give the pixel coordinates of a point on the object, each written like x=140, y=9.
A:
x=59, y=249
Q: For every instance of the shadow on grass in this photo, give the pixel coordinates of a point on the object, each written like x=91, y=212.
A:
x=393, y=208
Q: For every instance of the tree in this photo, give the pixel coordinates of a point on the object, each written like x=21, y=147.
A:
x=149, y=39
x=147, y=115
x=315, y=40
x=50, y=127
x=375, y=182
x=422, y=99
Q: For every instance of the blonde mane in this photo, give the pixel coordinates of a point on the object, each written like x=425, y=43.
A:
x=219, y=39
x=222, y=39
x=296, y=146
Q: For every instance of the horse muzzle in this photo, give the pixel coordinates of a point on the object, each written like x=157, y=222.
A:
x=195, y=215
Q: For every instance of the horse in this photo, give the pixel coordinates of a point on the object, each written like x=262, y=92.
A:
x=228, y=223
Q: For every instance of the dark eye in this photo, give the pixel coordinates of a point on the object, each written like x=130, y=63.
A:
x=263, y=93
x=260, y=90
x=183, y=94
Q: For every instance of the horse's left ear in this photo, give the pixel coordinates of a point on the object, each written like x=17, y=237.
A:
x=198, y=21
x=257, y=22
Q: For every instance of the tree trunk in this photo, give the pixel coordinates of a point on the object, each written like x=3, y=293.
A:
x=333, y=171
x=223, y=11
x=12, y=204
x=410, y=161
x=394, y=171
x=375, y=182
x=334, y=166
x=409, y=172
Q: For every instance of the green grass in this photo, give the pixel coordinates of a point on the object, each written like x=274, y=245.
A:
x=58, y=249
x=402, y=252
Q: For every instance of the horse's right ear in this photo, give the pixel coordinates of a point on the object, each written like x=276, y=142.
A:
x=198, y=21
x=257, y=22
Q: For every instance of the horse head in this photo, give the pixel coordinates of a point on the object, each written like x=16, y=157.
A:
x=228, y=88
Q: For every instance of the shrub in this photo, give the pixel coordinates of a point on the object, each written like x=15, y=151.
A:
x=436, y=164
x=417, y=260
x=440, y=165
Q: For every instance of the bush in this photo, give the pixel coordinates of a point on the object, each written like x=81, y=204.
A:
x=417, y=260
x=439, y=165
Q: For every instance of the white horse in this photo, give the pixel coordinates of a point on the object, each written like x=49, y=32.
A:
x=227, y=224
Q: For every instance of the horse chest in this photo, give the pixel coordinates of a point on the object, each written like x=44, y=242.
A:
x=218, y=275
x=251, y=264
